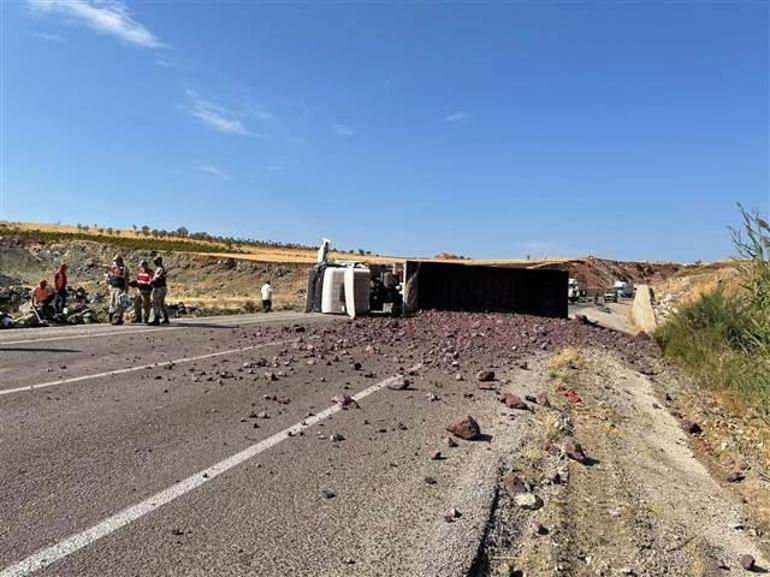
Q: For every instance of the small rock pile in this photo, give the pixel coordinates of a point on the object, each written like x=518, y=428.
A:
x=80, y=309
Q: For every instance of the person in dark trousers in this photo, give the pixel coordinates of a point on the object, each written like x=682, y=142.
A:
x=267, y=297
x=117, y=279
x=143, y=300
x=60, y=286
x=159, y=293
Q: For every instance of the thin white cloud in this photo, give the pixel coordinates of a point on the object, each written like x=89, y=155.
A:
x=218, y=117
x=50, y=37
x=109, y=17
x=343, y=130
x=457, y=118
x=165, y=61
x=213, y=170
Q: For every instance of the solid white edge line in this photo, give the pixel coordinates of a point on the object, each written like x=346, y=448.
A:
x=48, y=555
x=87, y=336
x=141, y=367
x=137, y=331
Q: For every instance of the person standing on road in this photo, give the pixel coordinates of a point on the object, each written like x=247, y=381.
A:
x=60, y=285
x=267, y=297
x=143, y=301
x=158, y=283
x=117, y=278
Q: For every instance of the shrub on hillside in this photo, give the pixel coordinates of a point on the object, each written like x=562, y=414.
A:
x=724, y=340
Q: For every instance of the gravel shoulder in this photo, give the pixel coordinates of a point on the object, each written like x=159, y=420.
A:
x=642, y=503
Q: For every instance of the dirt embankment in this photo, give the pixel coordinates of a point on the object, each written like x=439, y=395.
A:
x=689, y=284
x=210, y=282
x=593, y=272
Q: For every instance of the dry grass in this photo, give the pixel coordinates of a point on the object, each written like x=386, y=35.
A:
x=566, y=360
x=552, y=426
x=689, y=286
x=95, y=231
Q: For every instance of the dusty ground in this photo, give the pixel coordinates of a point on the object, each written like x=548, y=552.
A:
x=644, y=505
x=615, y=316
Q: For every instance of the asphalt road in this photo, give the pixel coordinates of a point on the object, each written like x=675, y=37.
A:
x=615, y=316
x=166, y=451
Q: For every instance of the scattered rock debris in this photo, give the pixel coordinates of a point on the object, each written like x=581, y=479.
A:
x=691, y=427
x=452, y=515
x=465, y=427
x=485, y=376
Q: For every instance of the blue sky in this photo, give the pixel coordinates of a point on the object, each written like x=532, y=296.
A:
x=625, y=130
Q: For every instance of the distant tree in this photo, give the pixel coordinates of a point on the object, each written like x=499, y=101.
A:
x=145, y=230
x=134, y=227
x=182, y=231
x=110, y=230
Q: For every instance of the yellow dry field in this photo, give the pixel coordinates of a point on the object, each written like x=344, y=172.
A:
x=286, y=255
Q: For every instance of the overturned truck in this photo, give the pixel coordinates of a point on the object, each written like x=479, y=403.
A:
x=412, y=285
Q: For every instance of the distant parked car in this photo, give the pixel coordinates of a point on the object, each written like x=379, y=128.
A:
x=611, y=295
x=624, y=289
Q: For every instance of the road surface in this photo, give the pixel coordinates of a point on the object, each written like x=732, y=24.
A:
x=146, y=451
x=213, y=447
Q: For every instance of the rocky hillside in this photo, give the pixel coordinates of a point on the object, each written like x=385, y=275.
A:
x=224, y=281
x=594, y=272
x=209, y=282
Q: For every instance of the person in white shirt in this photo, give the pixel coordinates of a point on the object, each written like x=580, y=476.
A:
x=267, y=297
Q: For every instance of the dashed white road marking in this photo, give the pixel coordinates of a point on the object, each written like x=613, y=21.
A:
x=44, y=557
x=141, y=367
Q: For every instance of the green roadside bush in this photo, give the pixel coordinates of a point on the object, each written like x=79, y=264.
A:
x=723, y=340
